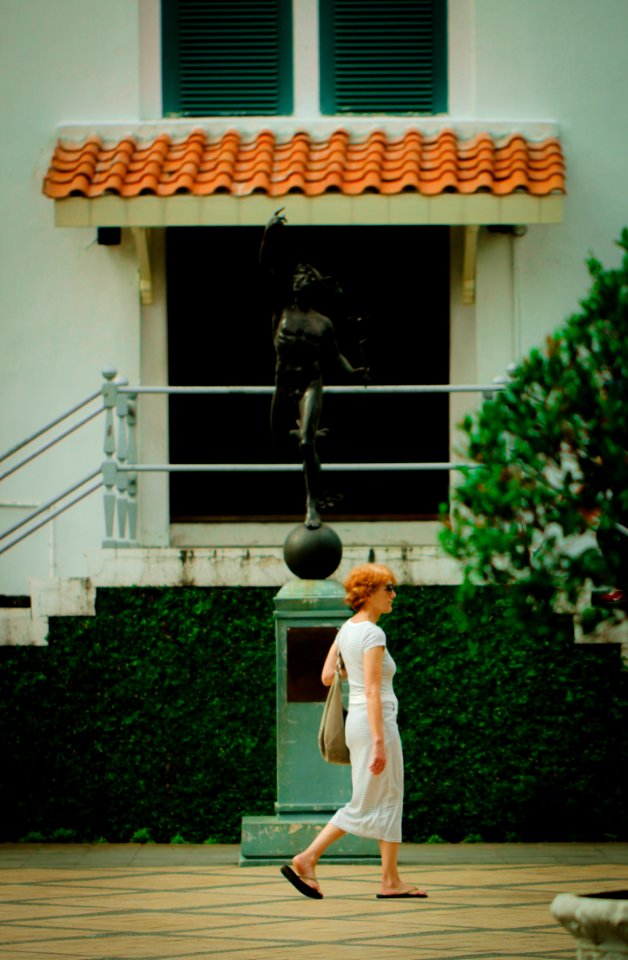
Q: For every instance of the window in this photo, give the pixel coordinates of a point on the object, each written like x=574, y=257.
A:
x=383, y=57
x=220, y=334
x=235, y=57
x=227, y=57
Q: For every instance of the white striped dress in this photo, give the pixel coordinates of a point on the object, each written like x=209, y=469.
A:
x=376, y=803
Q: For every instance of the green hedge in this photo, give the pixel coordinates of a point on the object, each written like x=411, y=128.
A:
x=510, y=733
x=154, y=720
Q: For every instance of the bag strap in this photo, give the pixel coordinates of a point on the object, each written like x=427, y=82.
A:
x=339, y=664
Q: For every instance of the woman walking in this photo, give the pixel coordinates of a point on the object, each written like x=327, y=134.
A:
x=372, y=736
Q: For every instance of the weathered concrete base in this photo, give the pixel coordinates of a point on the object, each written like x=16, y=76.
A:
x=275, y=840
x=260, y=563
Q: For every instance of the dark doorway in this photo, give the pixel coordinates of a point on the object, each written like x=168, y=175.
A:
x=220, y=334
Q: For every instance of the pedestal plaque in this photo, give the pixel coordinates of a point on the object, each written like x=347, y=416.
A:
x=308, y=614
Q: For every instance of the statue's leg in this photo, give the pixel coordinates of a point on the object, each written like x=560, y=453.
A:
x=310, y=408
x=280, y=410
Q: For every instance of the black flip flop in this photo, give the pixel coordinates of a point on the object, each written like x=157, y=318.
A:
x=300, y=884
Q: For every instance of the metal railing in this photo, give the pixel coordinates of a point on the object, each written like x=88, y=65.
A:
x=62, y=501
x=118, y=473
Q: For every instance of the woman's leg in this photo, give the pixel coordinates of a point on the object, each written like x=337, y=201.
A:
x=392, y=883
x=305, y=862
x=390, y=872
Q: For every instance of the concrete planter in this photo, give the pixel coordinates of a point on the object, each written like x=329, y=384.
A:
x=598, y=921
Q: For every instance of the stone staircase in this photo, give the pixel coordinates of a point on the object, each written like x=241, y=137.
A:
x=28, y=626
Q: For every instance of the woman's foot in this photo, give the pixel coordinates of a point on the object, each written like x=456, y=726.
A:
x=306, y=869
x=301, y=874
x=401, y=891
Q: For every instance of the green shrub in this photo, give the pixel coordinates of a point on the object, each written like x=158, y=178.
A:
x=544, y=508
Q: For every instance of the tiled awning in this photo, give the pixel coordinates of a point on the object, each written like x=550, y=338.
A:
x=411, y=175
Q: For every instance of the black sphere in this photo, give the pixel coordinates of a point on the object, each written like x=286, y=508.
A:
x=312, y=554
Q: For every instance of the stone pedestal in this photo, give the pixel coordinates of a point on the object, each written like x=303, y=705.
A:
x=599, y=923
x=308, y=614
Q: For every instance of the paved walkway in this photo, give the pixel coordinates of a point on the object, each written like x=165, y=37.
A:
x=129, y=902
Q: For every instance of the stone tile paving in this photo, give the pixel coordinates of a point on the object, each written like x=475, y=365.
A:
x=127, y=902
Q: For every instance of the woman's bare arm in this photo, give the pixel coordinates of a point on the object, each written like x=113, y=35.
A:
x=329, y=667
x=373, y=660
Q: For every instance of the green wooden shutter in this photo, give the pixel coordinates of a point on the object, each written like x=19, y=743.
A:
x=227, y=57
x=383, y=56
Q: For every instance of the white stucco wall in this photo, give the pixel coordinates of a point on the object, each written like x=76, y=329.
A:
x=67, y=305
x=563, y=61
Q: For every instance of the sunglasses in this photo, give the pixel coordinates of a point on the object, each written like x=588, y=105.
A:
x=390, y=588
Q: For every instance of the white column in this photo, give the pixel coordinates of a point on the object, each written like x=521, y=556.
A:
x=152, y=410
x=461, y=62
x=306, y=62
x=150, y=60
x=462, y=349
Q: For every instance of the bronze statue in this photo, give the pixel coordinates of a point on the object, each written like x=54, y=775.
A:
x=305, y=344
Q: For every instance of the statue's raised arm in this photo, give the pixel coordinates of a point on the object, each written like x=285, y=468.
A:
x=275, y=264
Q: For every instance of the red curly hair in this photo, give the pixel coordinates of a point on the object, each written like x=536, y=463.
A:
x=364, y=580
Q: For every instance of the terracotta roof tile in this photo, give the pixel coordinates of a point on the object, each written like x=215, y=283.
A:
x=201, y=165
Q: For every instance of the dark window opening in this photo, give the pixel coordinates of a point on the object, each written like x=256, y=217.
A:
x=220, y=334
